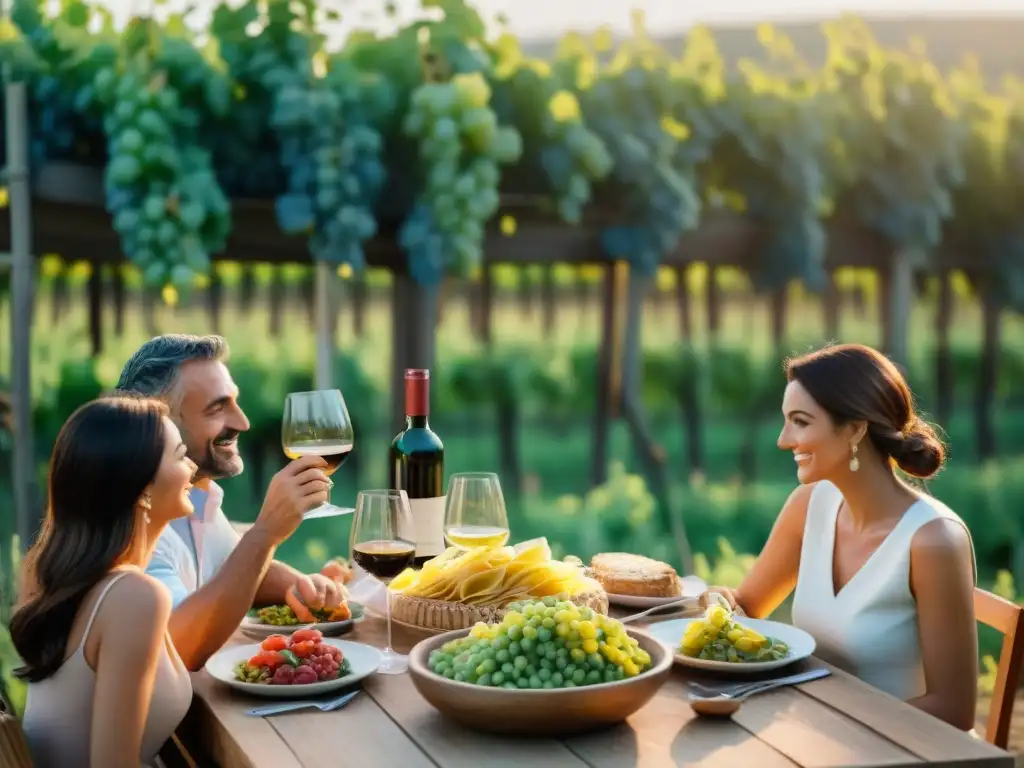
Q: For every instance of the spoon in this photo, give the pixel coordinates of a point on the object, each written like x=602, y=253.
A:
x=726, y=704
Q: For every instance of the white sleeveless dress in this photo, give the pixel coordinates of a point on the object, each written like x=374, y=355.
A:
x=870, y=628
x=58, y=710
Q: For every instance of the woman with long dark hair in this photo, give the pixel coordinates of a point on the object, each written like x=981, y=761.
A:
x=883, y=573
x=105, y=686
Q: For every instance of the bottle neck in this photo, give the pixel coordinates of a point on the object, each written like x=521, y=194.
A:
x=417, y=401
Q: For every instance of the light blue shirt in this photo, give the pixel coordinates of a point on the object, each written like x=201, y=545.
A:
x=192, y=549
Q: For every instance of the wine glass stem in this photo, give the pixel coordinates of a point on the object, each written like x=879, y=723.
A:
x=387, y=611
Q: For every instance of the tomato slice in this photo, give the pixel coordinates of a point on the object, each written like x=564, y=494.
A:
x=303, y=635
x=304, y=648
x=274, y=643
x=271, y=659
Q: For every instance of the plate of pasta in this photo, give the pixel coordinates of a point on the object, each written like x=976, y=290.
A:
x=719, y=641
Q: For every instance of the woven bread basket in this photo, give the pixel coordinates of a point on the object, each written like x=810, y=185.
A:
x=443, y=616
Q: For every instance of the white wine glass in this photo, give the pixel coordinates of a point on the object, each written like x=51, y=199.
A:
x=475, y=514
x=383, y=543
x=317, y=423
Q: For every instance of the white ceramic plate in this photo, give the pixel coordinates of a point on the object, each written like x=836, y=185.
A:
x=801, y=645
x=690, y=586
x=252, y=627
x=363, y=661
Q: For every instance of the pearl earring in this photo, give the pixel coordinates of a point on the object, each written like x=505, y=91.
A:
x=854, y=461
x=146, y=503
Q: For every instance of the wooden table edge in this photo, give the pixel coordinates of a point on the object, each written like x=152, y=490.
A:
x=987, y=755
x=211, y=741
x=973, y=751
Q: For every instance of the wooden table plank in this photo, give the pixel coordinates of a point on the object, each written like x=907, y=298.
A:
x=229, y=736
x=931, y=739
x=814, y=736
x=360, y=735
x=668, y=733
x=913, y=733
x=453, y=746
x=304, y=739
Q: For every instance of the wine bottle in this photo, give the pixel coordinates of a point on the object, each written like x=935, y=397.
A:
x=417, y=467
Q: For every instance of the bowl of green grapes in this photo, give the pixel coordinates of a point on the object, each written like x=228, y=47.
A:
x=549, y=667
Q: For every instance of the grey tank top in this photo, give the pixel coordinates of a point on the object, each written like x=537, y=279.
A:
x=58, y=710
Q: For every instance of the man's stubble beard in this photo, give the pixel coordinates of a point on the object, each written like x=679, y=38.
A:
x=208, y=467
x=211, y=468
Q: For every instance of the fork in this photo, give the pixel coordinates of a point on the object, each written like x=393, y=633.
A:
x=676, y=606
x=732, y=690
x=323, y=706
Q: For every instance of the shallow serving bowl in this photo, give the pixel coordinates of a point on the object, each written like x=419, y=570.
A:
x=530, y=712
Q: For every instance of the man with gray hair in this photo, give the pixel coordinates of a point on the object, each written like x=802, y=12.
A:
x=214, y=574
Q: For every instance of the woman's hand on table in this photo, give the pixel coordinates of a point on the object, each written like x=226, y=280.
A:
x=726, y=595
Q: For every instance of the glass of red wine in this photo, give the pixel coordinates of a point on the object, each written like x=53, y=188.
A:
x=317, y=423
x=383, y=544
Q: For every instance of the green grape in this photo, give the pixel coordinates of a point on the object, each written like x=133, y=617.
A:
x=167, y=205
x=535, y=663
x=462, y=145
x=569, y=154
x=328, y=167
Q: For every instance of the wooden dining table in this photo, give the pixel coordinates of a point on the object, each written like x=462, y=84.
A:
x=833, y=721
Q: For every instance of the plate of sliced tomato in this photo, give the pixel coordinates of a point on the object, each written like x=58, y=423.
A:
x=303, y=663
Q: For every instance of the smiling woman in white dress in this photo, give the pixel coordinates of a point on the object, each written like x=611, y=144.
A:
x=106, y=687
x=883, y=574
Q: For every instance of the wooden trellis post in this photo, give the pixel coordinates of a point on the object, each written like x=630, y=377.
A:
x=900, y=297
x=26, y=512
x=324, y=324
x=633, y=289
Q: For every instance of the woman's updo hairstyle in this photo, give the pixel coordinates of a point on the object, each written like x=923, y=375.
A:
x=853, y=382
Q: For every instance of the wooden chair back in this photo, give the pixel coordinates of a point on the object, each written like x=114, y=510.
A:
x=174, y=754
x=1008, y=619
x=14, y=752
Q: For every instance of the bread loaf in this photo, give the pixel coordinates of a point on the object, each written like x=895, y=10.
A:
x=622, y=573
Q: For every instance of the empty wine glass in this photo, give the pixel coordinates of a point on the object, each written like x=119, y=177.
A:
x=383, y=543
x=317, y=423
x=475, y=513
